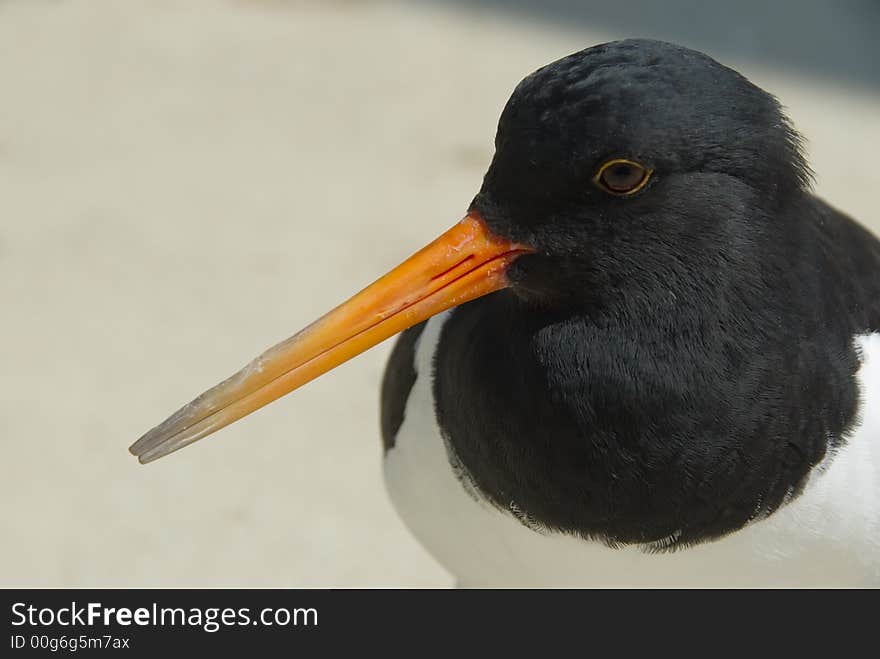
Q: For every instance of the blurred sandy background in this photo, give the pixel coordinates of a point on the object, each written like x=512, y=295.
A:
x=183, y=183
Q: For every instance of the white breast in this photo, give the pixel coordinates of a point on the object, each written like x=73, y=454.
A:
x=829, y=535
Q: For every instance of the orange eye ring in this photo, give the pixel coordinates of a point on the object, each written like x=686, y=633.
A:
x=622, y=177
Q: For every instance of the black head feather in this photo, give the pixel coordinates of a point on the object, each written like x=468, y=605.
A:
x=671, y=364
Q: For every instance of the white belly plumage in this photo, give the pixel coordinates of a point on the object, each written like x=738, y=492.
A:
x=829, y=535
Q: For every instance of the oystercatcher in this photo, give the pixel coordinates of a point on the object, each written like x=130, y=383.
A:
x=648, y=355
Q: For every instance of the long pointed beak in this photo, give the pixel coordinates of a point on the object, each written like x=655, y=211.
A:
x=464, y=263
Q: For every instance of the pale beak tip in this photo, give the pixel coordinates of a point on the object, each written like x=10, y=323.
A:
x=134, y=449
x=153, y=453
x=137, y=449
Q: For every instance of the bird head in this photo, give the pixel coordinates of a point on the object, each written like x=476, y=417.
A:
x=633, y=161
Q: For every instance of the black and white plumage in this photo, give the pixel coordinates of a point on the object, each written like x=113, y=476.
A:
x=648, y=355
x=826, y=534
x=700, y=405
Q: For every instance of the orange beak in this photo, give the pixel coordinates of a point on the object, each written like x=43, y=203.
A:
x=465, y=263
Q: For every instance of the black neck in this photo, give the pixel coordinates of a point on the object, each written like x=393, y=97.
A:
x=667, y=428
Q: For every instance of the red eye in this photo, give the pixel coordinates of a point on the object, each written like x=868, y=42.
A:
x=622, y=177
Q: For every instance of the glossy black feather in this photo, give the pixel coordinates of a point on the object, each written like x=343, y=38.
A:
x=400, y=375
x=671, y=365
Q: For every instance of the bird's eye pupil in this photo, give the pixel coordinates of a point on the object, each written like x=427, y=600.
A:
x=623, y=176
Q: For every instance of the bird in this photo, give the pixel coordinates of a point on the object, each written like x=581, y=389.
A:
x=648, y=355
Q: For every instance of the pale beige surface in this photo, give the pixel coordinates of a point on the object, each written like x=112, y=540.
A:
x=184, y=183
